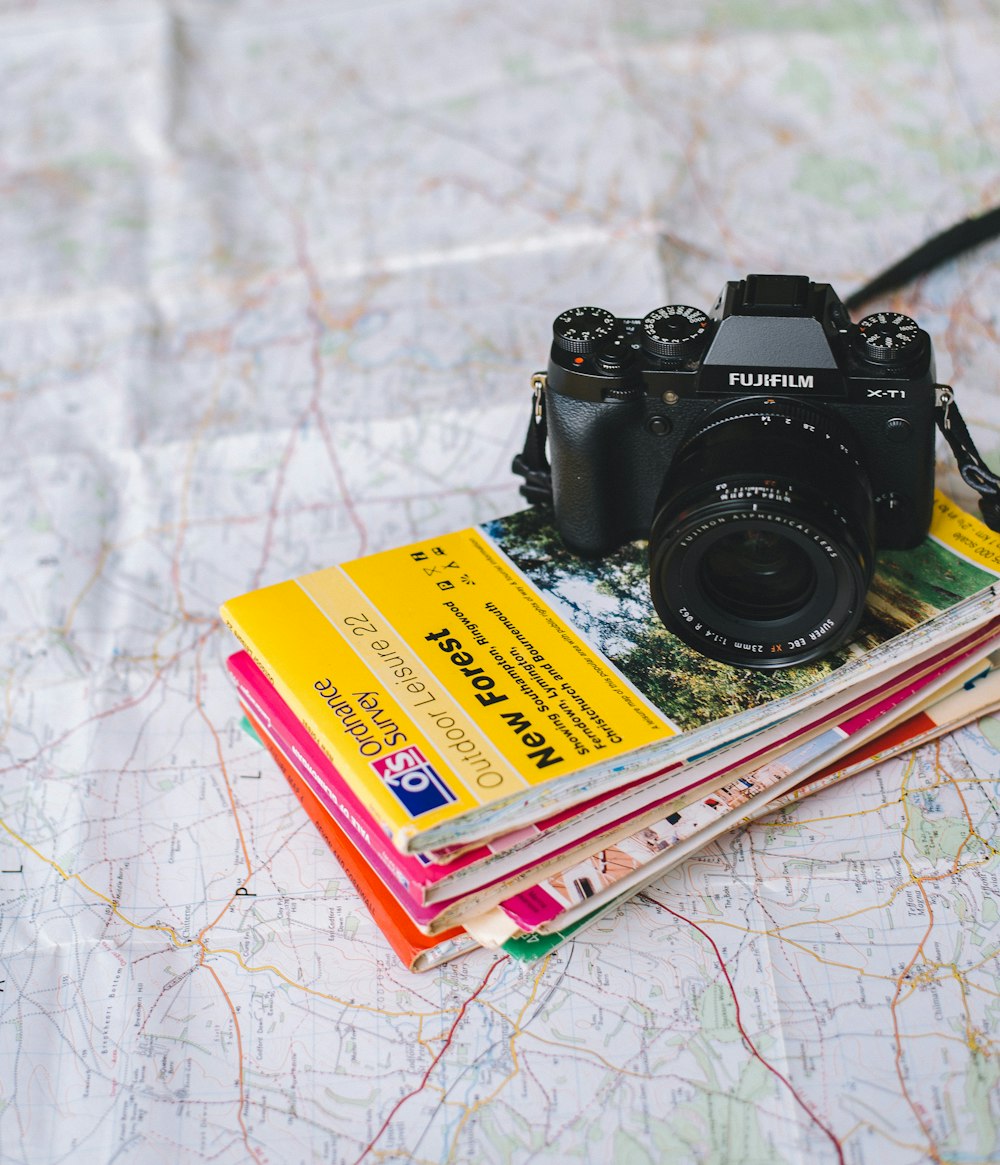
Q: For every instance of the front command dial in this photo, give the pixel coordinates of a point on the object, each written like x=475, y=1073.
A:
x=673, y=331
x=889, y=338
x=581, y=329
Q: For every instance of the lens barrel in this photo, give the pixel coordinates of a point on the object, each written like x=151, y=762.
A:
x=762, y=545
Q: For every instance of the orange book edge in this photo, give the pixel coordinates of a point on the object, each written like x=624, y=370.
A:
x=418, y=952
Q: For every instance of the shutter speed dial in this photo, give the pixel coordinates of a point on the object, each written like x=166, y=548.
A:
x=581, y=329
x=889, y=338
x=673, y=331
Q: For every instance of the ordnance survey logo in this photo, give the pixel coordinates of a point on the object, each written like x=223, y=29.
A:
x=414, y=782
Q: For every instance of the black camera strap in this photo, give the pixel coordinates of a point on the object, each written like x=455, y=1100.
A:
x=975, y=472
x=961, y=237
x=533, y=465
x=949, y=244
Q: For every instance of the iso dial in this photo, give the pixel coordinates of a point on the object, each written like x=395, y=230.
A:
x=673, y=331
x=581, y=329
x=888, y=337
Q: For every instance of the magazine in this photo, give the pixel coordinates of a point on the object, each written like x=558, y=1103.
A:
x=475, y=882
x=961, y=699
x=978, y=696
x=469, y=685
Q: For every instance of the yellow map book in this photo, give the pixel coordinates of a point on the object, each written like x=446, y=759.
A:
x=467, y=684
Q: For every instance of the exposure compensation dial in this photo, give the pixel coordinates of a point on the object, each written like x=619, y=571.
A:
x=889, y=338
x=582, y=329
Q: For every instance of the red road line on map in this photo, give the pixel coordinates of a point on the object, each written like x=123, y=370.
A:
x=225, y=778
x=122, y=706
x=742, y=1030
x=338, y=472
x=433, y=1064
x=319, y=326
x=239, y=1051
x=272, y=509
x=200, y=941
x=315, y=315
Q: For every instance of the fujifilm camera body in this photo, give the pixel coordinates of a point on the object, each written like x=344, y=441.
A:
x=765, y=448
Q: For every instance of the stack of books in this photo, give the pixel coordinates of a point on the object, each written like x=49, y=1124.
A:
x=500, y=741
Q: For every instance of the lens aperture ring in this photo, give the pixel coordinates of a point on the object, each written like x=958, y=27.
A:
x=781, y=417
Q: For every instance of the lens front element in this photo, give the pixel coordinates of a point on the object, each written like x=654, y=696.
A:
x=763, y=541
x=757, y=574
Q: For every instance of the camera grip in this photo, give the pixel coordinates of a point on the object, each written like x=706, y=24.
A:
x=589, y=450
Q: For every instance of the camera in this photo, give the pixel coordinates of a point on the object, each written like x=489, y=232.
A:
x=766, y=449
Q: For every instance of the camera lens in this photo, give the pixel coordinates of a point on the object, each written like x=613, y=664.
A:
x=757, y=574
x=763, y=540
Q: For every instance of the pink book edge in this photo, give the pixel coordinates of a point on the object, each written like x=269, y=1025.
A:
x=410, y=873
x=536, y=906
